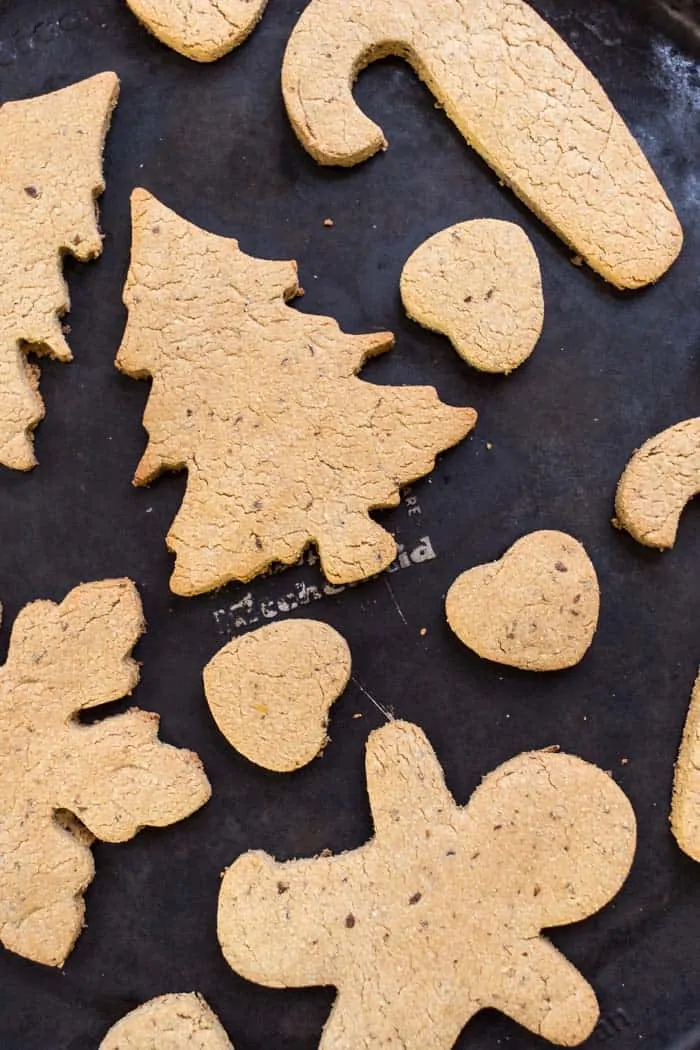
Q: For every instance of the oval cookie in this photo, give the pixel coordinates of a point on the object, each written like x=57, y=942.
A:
x=479, y=283
x=271, y=690
x=536, y=608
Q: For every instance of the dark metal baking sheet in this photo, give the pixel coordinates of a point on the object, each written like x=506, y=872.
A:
x=213, y=142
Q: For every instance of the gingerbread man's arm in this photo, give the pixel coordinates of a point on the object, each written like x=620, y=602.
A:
x=282, y=925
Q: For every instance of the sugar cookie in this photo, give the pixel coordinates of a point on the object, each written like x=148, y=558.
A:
x=114, y=775
x=685, y=808
x=51, y=176
x=270, y=691
x=479, y=283
x=282, y=443
x=536, y=608
x=202, y=30
x=440, y=914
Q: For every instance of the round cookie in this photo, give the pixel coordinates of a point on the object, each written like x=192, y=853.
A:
x=536, y=608
x=270, y=691
x=478, y=283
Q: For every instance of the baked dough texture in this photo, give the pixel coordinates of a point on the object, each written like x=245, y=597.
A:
x=202, y=30
x=282, y=443
x=660, y=479
x=440, y=914
x=63, y=783
x=171, y=1022
x=685, y=807
x=270, y=691
x=50, y=177
x=479, y=283
x=519, y=96
x=536, y=608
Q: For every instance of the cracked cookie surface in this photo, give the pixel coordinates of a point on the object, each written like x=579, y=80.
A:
x=182, y=1021
x=50, y=178
x=203, y=30
x=271, y=690
x=478, y=283
x=685, y=807
x=63, y=783
x=440, y=914
x=283, y=444
x=535, y=608
x=518, y=95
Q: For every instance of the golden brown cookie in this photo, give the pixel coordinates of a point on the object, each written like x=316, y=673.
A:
x=51, y=176
x=685, y=807
x=662, y=476
x=170, y=1022
x=271, y=690
x=283, y=444
x=111, y=777
x=519, y=96
x=536, y=608
x=440, y=914
x=478, y=283
x=202, y=30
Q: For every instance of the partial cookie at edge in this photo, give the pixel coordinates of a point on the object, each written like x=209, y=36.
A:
x=658, y=482
x=202, y=30
x=519, y=96
x=182, y=1021
x=685, y=805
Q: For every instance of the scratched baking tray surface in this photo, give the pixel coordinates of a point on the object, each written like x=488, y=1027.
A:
x=611, y=370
